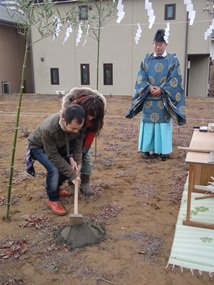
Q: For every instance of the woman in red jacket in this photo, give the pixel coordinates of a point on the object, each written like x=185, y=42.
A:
x=94, y=105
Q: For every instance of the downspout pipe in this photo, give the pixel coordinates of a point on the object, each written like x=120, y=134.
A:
x=186, y=56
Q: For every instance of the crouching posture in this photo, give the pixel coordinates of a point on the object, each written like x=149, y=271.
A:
x=57, y=144
x=94, y=105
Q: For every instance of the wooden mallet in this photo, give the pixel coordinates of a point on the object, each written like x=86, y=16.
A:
x=76, y=218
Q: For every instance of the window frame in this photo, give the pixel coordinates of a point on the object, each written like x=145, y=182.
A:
x=166, y=12
x=83, y=12
x=107, y=66
x=5, y=86
x=85, y=71
x=54, y=77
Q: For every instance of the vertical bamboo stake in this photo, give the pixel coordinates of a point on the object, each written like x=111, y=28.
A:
x=16, y=129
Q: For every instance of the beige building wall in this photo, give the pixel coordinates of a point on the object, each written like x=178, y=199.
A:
x=211, y=89
x=10, y=59
x=119, y=48
x=12, y=47
x=196, y=42
x=198, y=53
x=198, y=79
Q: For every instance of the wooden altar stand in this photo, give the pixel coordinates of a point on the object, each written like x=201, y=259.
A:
x=200, y=157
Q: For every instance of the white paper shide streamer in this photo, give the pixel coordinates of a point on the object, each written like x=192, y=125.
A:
x=67, y=33
x=150, y=13
x=79, y=35
x=121, y=12
x=209, y=30
x=190, y=10
x=87, y=32
x=166, y=36
x=138, y=33
x=58, y=26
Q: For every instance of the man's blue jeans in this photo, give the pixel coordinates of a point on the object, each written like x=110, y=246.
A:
x=54, y=178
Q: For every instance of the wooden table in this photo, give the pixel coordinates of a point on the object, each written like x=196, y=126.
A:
x=200, y=170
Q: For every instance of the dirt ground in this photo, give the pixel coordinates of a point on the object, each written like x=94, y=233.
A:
x=137, y=200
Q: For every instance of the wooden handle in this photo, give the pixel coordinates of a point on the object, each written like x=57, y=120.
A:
x=76, y=190
x=195, y=149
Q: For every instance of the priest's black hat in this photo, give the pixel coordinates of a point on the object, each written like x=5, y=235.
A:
x=159, y=36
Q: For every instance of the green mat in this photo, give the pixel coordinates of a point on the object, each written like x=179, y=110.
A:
x=193, y=247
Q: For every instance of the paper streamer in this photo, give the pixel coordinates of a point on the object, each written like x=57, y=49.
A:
x=58, y=26
x=121, y=12
x=166, y=36
x=138, y=33
x=209, y=30
x=150, y=13
x=79, y=35
x=190, y=10
x=87, y=32
x=67, y=33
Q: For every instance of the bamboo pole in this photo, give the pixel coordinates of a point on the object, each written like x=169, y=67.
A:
x=16, y=129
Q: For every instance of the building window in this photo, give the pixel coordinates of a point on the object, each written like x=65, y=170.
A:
x=5, y=87
x=108, y=73
x=83, y=12
x=170, y=10
x=85, y=74
x=55, y=76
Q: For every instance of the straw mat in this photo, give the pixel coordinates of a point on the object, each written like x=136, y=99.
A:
x=193, y=247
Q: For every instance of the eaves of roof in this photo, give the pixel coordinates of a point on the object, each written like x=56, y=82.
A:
x=64, y=1
x=57, y=1
x=9, y=17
